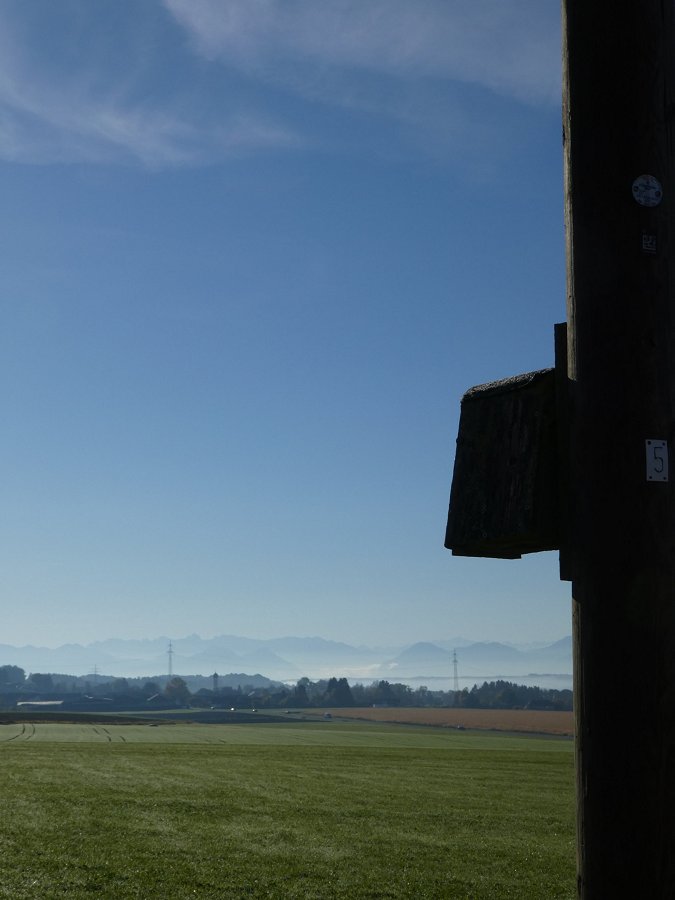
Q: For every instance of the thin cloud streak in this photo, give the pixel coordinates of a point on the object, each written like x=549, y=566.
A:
x=41, y=126
x=512, y=49
x=385, y=61
x=45, y=120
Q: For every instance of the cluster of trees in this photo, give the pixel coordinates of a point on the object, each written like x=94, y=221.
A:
x=12, y=676
x=505, y=695
x=337, y=692
x=332, y=692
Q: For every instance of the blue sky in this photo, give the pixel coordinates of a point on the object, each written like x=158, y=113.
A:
x=253, y=253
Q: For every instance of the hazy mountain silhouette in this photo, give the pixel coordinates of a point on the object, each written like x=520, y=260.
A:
x=289, y=658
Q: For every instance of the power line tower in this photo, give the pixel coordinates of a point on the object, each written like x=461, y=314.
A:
x=169, y=653
x=455, y=675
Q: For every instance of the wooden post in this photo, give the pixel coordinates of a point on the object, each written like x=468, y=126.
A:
x=620, y=549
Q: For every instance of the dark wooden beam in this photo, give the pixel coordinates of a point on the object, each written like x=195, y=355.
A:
x=619, y=92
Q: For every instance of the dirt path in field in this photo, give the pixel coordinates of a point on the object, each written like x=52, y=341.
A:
x=531, y=721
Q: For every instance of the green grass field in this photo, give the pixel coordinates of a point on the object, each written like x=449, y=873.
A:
x=316, y=810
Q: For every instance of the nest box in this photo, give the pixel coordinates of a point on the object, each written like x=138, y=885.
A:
x=504, y=497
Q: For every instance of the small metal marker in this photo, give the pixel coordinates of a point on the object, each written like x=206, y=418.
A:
x=647, y=190
x=657, y=460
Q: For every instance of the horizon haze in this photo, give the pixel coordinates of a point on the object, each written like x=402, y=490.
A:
x=288, y=659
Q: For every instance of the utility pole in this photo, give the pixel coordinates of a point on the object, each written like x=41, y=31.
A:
x=577, y=457
x=619, y=550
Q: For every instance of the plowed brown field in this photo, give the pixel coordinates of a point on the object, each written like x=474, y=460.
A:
x=524, y=720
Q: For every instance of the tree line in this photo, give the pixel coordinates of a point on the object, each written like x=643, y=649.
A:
x=337, y=692
x=265, y=694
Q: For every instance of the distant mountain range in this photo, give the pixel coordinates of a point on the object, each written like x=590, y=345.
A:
x=290, y=658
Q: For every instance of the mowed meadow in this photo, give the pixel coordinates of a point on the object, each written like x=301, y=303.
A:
x=324, y=809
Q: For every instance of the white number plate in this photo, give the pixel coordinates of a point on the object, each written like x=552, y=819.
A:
x=657, y=460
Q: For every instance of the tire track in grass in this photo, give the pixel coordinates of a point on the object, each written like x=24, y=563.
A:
x=16, y=736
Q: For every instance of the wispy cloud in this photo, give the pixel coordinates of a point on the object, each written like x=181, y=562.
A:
x=86, y=112
x=104, y=92
x=39, y=124
x=511, y=48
